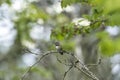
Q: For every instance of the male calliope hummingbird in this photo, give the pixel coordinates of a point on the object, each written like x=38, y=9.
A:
x=59, y=48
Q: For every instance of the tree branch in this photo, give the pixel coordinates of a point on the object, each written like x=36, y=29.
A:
x=29, y=69
x=75, y=64
x=67, y=72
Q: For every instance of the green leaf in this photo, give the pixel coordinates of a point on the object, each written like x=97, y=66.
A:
x=112, y=9
x=63, y=32
x=65, y=3
x=102, y=35
x=107, y=47
x=114, y=19
x=34, y=13
x=107, y=8
x=111, y=6
x=70, y=45
x=5, y=1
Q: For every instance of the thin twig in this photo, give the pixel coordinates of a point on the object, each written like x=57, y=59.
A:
x=83, y=66
x=67, y=72
x=63, y=63
x=84, y=72
x=96, y=21
x=47, y=53
x=26, y=50
x=99, y=62
x=91, y=65
x=34, y=53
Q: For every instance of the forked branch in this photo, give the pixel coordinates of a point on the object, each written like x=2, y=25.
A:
x=29, y=69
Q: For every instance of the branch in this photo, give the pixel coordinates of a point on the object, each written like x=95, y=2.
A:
x=99, y=62
x=82, y=67
x=63, y=63
x=87, y=74
x=26, y=50
x=67, y=72
x=96, y=21
x=76, y=64
x=29, y=69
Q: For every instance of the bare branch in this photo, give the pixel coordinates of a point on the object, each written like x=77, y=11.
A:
x=99, y=62
x=84, y=72
x=47, y=53
x=67, y=72
x=77, y=64
x=63, y=63
x=82, y=67
x=29, y=51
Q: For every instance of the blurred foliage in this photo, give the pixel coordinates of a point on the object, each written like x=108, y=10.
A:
x=106, y=6
x=29, y=15
x=42, y=71
x=102, y=11
x=5, y=1
x=34, y=13
x=108, y=46
x=109, y=10
x=63, y=30
x=65, y=3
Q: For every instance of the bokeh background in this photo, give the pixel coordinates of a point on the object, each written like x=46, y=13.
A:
x=28, y=24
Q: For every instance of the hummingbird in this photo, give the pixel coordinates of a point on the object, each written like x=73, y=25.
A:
x=59, y=48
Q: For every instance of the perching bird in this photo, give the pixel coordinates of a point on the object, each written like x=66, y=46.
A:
x=59, y=48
